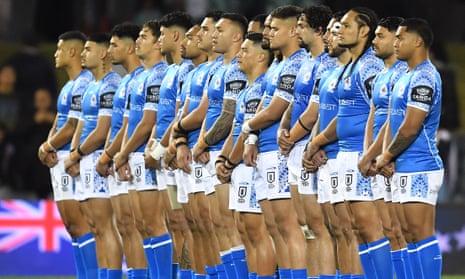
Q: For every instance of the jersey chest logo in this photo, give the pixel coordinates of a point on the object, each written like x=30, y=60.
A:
x=347, y=83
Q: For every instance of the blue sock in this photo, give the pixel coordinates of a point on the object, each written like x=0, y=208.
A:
x=185, y=274
x=430, y=257
x=345, y=276
x=114, y=274
x=380, y=254
x=253, y=275
x=265, y=277
x=367, y=262
x=325, y=276
x=240, y=262
x=102, y=273
x=221, y=271
x=150, y=256
x=174, y=270
x=299, y=273
x=200, y=276
x=284, y=273
x=405, y=260
x=312, y=277
x=89, y=255
x=211, y=271
x=397, y=262
x=135, y=273
x=78, y=260
x=163, y=248
x=227, y=260
x=414, y=260
x=358, y=276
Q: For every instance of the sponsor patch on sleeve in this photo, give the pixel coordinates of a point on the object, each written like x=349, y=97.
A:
x=153, y=94
x=235, y=86
x=286, y=83
x=106, y=100
x=76, y=103
x=422, y=94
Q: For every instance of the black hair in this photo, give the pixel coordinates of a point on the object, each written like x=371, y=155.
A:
x=421, y=27
x=260, y=18
x=215, y=15
x=73, y=35
x=366, y=16
x=317, y=17
x=154, y=26
x=239, y=19
x=391, y=23
x=287, y=11
x=338, y=15
x=126, y=30
x=100, y=38
x=257, y=39
x=180, y=19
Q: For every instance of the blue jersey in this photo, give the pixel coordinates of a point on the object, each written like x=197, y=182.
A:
x=98, y=101
x=328, y=104
x=382, y=87
x=145, y=97
x=120, y=101
x=420, y=89
x=280, y=84
x=227, y=82
x=170, y=91
x=354, y=91
x=69, y=100
x=307, y=78
x=199, y=81
x=247, y=104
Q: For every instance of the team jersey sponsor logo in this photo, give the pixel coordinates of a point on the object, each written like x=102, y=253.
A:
x=106, y=100
x=422, y=94
x=251, y=106
x=235, y=86
x=287, y=83
x=153, y=94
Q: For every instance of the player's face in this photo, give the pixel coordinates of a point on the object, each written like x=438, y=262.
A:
x=145, y=42
x=281, y=32
x=383, y=43
x=254, y=26
x=247, y=56
x=166, y=40
x=91, y=55
x=189, y=46
x=61, y=54
x=305, y=33
x=334, y=49
x=222, y=36
x=207, y=27
x=350, y=30
x=404, y=44
x=118, y=49
x=327, y=34
x=266, y=32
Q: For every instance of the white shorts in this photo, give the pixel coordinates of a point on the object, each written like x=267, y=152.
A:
x=211, y=168
x=395, y=190
x=62, y=183
x=243, y=195
x=91, y=185
x=419, y=186
x=272, y=176
x=381, y=187
x=185, y=183
x=116, y=186
x=305, y=181
x=165, y=177
x=329, y=188
x=203, y=181
x=143, y=179
x=356, y=187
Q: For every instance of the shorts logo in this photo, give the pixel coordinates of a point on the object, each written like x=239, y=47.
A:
x=334, y=184
x=64, y=183
x=241, y=193
x=304, y=175
x=138, y=173
x=270, y=178
x=87, y=180
x=348, y=181
x=198, y=172
x=387, y=183
x=403, y=184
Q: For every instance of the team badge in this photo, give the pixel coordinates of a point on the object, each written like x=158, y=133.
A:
x=348, y=182
x=270, y=178
x=347, y=83
x=403, y=184
x=334, y=184
x=241, y=193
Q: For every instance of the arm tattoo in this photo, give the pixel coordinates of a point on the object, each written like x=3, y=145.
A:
x=400, y=143
x=222, y=125
x=286, y=120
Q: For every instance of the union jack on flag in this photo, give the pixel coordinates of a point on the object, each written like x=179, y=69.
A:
x=22, y=222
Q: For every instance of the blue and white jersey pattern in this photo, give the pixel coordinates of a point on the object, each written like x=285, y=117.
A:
x=382, y=87
x=69, y=100
x=145, y=96
x=308, y=77
x=120, y=100
x=283, y=81
x=200, y=77
x=247, y=103
x=421, y=89
x=170, y=91
x=328, y=100
x=98, y=101
x=354, y=90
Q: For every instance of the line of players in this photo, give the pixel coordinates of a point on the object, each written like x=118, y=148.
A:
x=301, y=143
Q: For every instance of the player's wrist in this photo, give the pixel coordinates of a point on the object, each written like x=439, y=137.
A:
x=246, y=127
x=158, y=151
x=251, y=139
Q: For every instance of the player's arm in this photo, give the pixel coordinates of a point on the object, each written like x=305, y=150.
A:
x=305, y=122
x=139, y=136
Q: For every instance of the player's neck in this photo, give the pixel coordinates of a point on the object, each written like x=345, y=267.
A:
x=73, y=70
x=316, y=48
x=176, y=56
x=101, y=70
x=199, y=59
x=229, y=55
x=417, y=58
x=357, y=50
x=289, y=49
x=131, y=63
x=388, y=62
x=255, y=73
x=152, y=60
x=344, y=58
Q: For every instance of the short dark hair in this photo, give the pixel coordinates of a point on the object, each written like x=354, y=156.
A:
x=287, y=11
x=180, y=19
x=215, y=15
x=257, y=39
x=421, y=27
x=391, y=23
x=73, y=35
x=368, y=17
x=154, y=26
x=260, y=18
x=338, y=15
x=100, y=38
x=239, y=19
x=317, y=16
x=126, y=30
